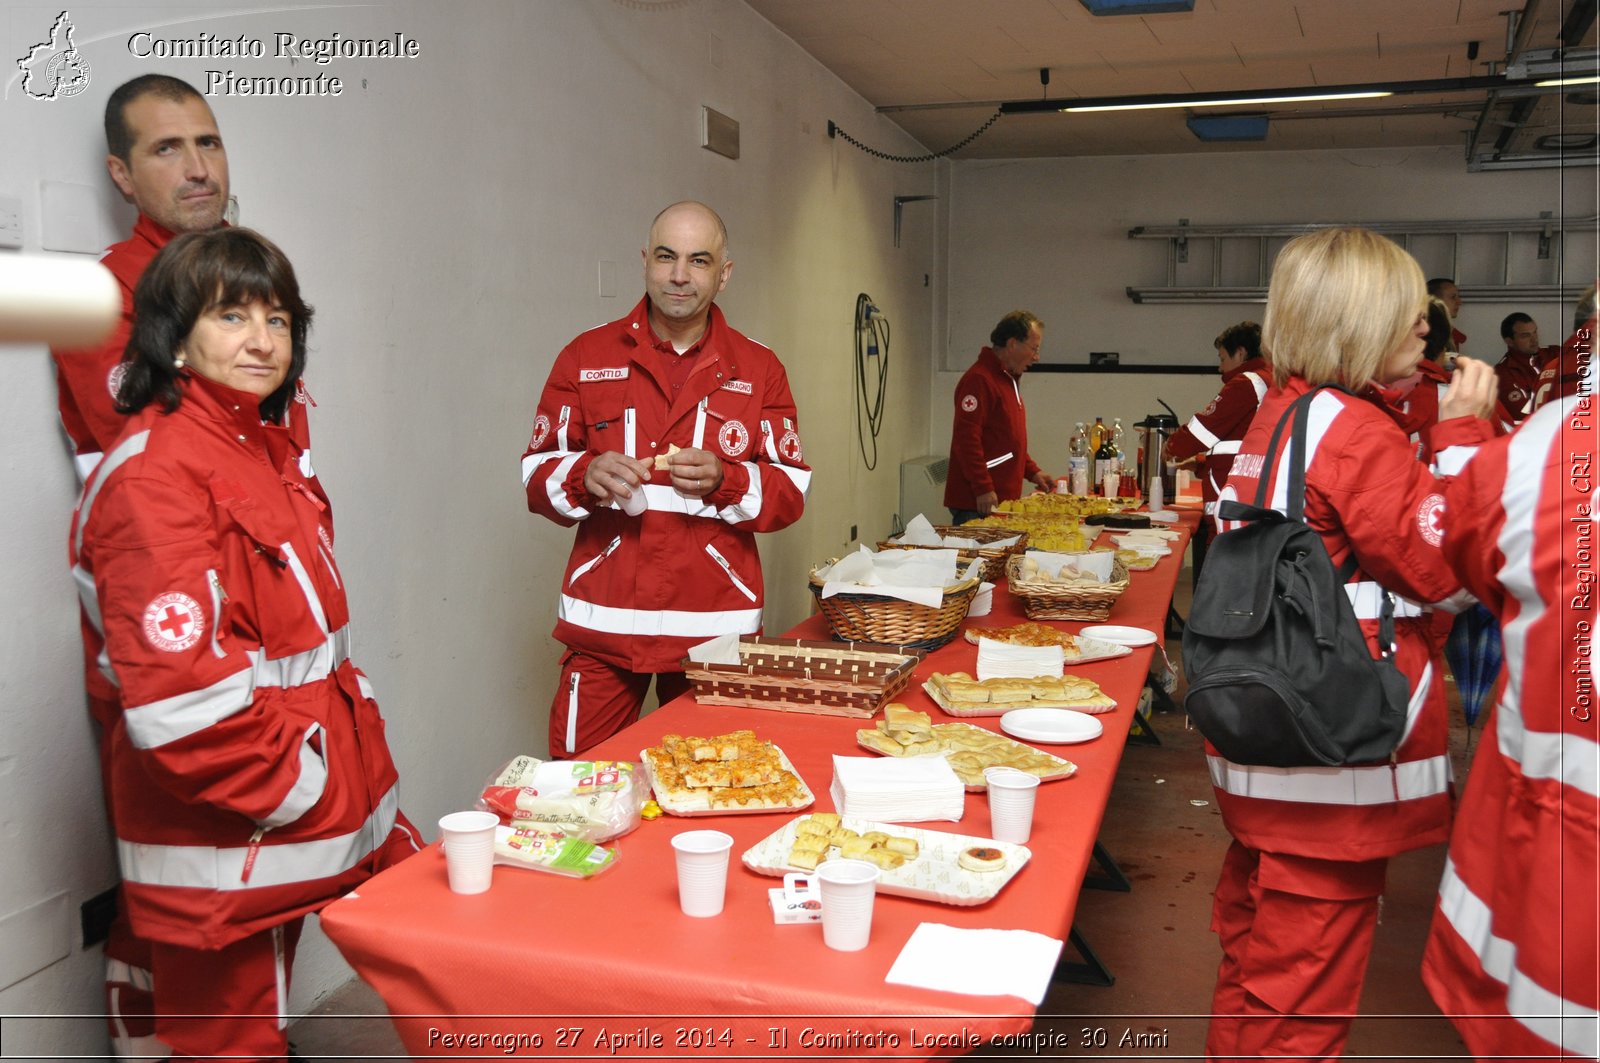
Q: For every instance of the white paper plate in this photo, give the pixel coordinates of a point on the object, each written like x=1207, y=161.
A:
x=935, y=875
x=1059, y=726
x=1127, y=636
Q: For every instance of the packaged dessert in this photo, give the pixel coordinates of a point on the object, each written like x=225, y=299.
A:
x=550, y=850
x=589, y=799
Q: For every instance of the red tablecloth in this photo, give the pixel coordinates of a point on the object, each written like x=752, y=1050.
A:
x=521, y=968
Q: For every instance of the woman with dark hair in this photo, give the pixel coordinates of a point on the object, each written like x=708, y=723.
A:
x=247, y=775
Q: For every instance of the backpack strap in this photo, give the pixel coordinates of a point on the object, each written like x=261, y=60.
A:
x=1295, y=418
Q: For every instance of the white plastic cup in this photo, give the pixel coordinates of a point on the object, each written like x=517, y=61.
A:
x=1011, y=797
x=468, y=839
x=702, y=858
x=635, y=503
x=848, y=888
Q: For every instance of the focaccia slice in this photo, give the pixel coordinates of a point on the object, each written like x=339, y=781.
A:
x=1027, y=633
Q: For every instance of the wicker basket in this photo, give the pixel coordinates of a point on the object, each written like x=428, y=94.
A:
x=1049, y=600
x=994, y=558
x=794, y=675
x=890, y=621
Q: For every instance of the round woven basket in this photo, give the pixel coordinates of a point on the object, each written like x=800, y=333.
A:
x=1049, y=600
x=894, y=621
x=994, y=558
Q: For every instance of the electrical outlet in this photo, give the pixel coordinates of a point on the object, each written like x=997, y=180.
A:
x=10, y=221
x=95, y=916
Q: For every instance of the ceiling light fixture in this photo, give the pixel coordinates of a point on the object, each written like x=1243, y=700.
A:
x=1252, y=97
x=1221, y=103
x=1558, y=82
x=1137, y=7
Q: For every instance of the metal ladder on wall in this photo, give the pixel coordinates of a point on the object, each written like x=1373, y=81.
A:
x=1549, y=241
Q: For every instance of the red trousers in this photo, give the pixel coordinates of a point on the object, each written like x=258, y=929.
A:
x=1295, y=934
x=594, y=700
x=231, y=1002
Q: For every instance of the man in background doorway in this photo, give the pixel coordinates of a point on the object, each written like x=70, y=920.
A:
x=989, y=457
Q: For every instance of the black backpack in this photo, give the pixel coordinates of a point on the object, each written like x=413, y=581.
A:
x=1278, y=668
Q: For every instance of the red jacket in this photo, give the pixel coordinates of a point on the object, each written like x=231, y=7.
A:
x=989, y=438
x=1366, y=495
x=1566, y=373
x=248, y=777
x=1515, y=930
x=1216, y=430
x=1517, y=378
x=87, y=379
x=639, y=591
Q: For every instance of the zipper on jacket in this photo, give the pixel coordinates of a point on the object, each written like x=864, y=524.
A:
x=250, y=857
x=218, y=597
x=592, y=562
x=327, y=561
x=728, y=569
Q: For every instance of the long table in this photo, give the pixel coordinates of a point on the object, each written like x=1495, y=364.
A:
x=552, y=966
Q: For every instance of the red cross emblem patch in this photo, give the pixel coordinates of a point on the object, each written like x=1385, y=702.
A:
x=541, y=429
x=1430, y=520
x=733, y=438
x=969, y=403
x=114, y=378
x=173, y=621
x=789, y=446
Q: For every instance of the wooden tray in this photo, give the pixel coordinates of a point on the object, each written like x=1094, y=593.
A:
x=796, y=675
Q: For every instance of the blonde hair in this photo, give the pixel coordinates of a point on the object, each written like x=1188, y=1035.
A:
x=1341, y=301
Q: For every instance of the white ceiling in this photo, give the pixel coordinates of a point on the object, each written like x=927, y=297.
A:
x=975, y=53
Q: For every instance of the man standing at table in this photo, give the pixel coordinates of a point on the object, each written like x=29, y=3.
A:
x=989, y=437
x=1212, y=436
x=671, y=414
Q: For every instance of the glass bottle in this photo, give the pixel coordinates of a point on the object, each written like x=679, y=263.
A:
x=1105, y=480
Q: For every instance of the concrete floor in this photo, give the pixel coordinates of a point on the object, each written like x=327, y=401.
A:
x=1164, y=831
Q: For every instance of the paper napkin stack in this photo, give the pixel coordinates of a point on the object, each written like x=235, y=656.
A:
x=892, y=790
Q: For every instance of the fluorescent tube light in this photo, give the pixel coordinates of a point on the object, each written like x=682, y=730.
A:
x=1224, y=103
x=1558, y=82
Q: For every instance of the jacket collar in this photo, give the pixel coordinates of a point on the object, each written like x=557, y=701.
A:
x=1249, y=365
x=989, y=358
x=713, y=346
x=152, y=232
x=238, y=412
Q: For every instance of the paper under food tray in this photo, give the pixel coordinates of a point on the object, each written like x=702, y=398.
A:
x=795, y=675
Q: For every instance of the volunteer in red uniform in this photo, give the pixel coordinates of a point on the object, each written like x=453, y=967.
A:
x=673, y=414
x=1212, y=436
x=1297, y=898
x=1514, y=933
x=165, y=155
x=1444, y=289
x=1518, y=372
x=248, y=778
x=1572, y=371
x=989, y=457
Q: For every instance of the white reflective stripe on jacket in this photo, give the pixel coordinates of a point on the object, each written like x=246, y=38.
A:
x=678, y=623
x=160, y=722
x=1549, y=1015
x=213, y=868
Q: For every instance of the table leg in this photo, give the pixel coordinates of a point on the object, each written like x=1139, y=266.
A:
x=1089, y=972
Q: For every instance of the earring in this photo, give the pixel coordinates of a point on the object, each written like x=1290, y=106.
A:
x=178, y=362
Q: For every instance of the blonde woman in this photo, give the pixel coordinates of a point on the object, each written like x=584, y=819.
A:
x=1298, y=895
